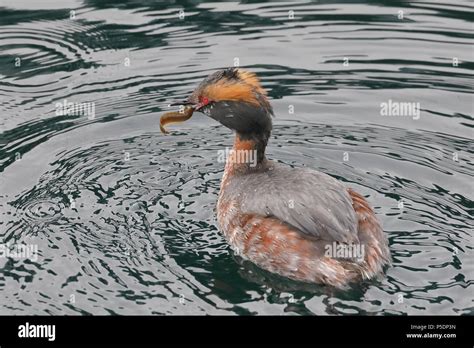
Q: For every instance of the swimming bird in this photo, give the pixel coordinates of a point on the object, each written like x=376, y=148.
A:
x=296, y=222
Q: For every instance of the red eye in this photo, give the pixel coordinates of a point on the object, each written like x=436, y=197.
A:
x=203, y=101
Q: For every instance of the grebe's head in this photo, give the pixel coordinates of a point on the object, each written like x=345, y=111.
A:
x=235, y=98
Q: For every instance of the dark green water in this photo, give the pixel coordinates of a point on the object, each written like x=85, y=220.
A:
x=123, y=217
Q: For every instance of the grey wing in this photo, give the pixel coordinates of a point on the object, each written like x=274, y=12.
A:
x=312, y=202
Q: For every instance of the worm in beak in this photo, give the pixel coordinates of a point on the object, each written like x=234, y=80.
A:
x=175, y=117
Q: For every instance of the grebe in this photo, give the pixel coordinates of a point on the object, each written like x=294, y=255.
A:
x=299, y=223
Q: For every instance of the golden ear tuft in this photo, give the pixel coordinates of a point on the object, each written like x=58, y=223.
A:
x=243, y=88
x=251, y=79
x=224, y=90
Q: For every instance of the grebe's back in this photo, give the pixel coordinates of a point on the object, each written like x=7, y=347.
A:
x=287, y=219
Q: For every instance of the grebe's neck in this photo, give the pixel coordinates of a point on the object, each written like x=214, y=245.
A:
x=248, y=153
